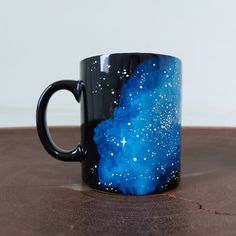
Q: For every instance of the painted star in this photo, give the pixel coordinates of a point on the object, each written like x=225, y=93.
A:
x=123, y=141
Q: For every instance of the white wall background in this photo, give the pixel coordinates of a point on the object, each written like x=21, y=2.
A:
x=42, y=41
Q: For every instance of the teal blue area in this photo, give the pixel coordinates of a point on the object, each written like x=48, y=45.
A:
x=139, y=147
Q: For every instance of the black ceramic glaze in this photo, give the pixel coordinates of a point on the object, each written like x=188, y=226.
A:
x=104, y=80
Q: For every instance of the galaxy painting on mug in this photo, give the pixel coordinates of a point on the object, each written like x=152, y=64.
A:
x=139, y=146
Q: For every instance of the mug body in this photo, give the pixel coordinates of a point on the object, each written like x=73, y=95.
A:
x=132, y=130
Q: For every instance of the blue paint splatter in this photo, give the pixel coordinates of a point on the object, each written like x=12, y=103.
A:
x=139, y=146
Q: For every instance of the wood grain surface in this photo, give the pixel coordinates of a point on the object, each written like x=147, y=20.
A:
x=43, y=196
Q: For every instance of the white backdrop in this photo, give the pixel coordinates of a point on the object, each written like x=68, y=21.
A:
x=42, y=41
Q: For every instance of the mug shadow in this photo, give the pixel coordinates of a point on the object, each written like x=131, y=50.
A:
x=113, y=213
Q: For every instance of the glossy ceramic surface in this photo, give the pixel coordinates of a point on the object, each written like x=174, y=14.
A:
x=131, y=122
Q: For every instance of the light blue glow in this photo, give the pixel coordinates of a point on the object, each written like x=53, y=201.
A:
x=139, y=147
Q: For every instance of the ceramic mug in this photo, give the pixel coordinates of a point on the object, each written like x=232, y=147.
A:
x=131, y=122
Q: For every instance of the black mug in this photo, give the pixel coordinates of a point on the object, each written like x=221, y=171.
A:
x=131, y=122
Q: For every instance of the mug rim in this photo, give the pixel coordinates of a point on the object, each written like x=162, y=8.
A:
x=131, y=53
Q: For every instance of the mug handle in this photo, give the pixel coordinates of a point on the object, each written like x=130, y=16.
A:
x=76, y=88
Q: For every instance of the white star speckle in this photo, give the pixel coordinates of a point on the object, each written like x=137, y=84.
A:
x=123, y=141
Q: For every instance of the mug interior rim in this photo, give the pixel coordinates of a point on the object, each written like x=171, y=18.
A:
x=130, y=53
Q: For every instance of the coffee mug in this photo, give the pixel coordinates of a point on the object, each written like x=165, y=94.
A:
x=131, y=122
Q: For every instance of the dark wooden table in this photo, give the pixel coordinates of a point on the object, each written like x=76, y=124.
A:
x=43, y=196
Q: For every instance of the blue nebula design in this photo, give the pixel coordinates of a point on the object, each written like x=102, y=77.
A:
x=139, y=147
